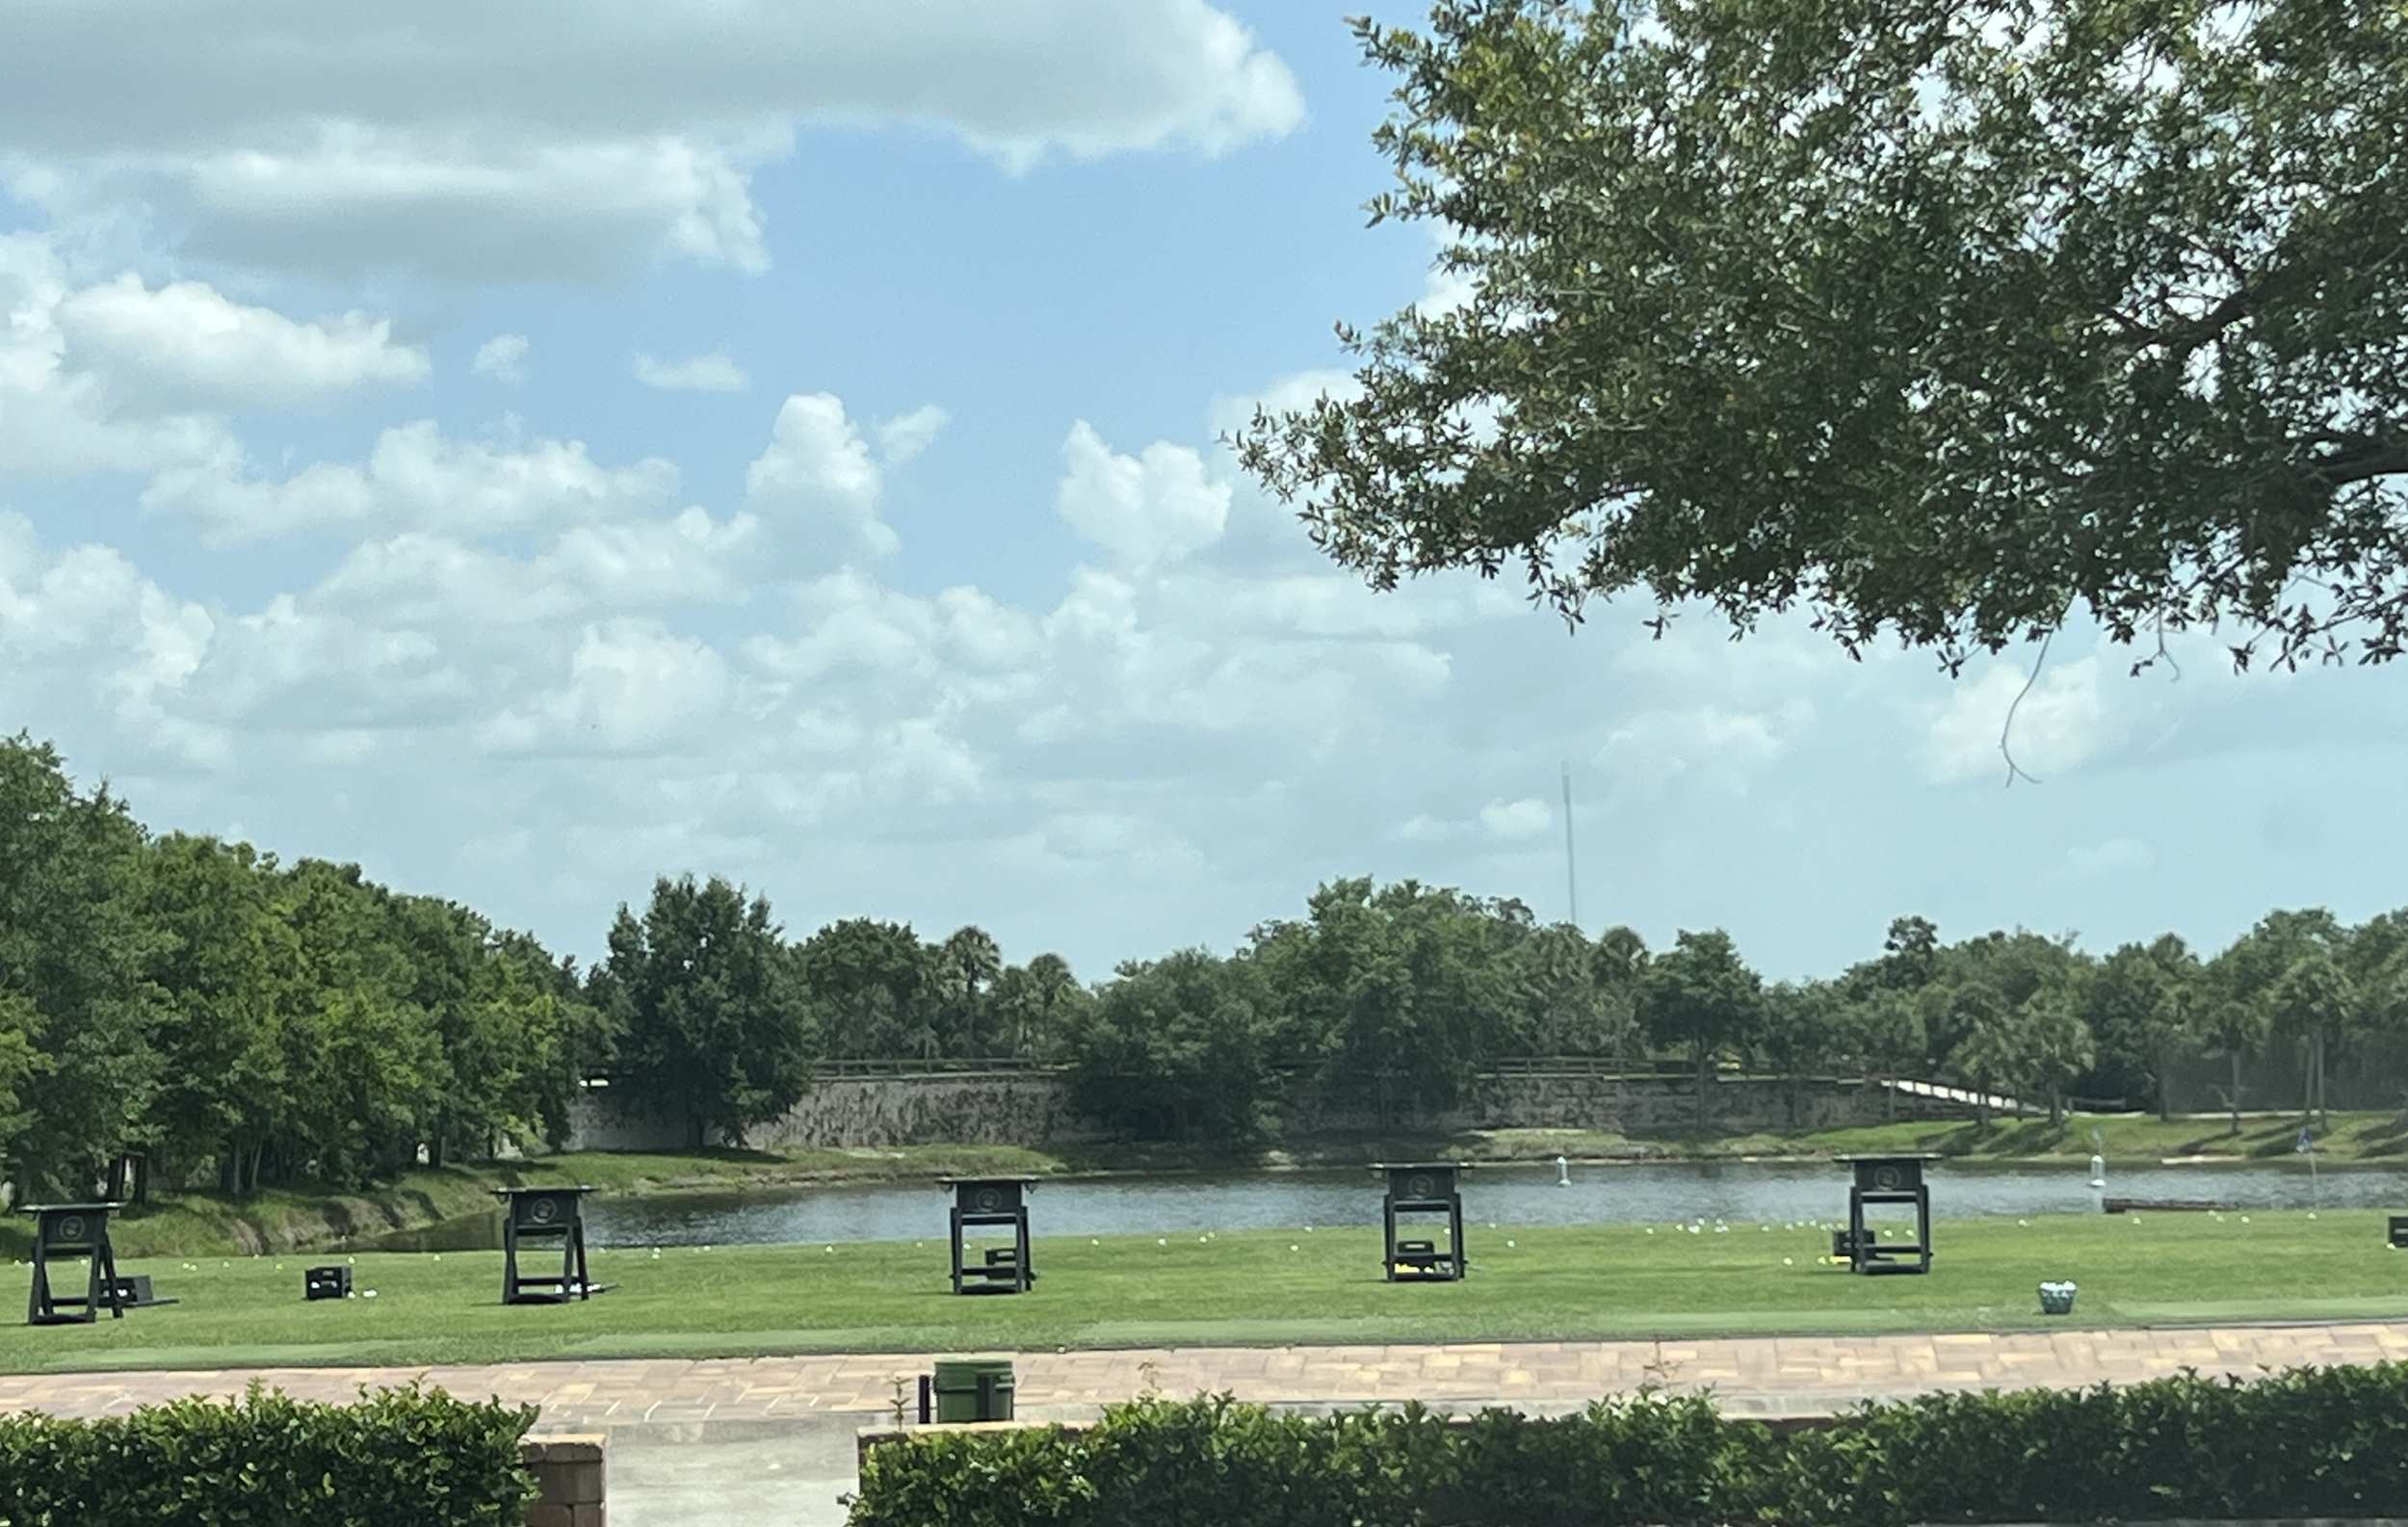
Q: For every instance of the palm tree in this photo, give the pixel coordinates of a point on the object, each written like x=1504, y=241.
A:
x=1050, y=974
x=970, y=964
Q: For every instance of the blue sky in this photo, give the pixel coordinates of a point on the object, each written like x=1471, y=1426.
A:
x=929, y=594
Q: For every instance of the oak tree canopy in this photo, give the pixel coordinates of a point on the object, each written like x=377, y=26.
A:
x=1936, y=319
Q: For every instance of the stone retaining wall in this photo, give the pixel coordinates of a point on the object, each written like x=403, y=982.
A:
x=1032, y=1109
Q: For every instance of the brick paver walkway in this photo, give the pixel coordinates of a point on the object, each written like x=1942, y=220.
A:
x=1763, y=1376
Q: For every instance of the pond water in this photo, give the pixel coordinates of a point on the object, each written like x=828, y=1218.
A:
x=1739, y=1192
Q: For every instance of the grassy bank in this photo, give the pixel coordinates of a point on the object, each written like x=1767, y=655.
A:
x=1253, y=1288
x=285, y=1221
x=278, y=1221
x=2124, y=1138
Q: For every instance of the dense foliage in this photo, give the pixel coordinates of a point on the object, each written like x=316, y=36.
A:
x=400, y=1458
x=263, y=1021
x=1939, y=320
x=248, y=1022
x=2324, y=1442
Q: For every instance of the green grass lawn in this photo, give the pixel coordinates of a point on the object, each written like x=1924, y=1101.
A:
x=1252, y=1288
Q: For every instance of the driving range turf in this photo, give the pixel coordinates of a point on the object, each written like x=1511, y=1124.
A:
x=1252, y=1289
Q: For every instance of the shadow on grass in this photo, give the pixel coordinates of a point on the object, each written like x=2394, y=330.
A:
x=2384, y=1136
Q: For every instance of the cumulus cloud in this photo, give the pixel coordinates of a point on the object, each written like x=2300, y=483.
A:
x=1146, y=510
x=1515, y=820
x=1292, y=393
x=59, y=416
x=711, y=372
x=2064, y=723
x=300, y=136
x=907, y=435
x=421, y=579
x=1500, y=821
x=503, y=358
x=186, y=346
x=1657, y=748
x=817, y=484
x=415, y=477
x=631, y=687
x=84, y=632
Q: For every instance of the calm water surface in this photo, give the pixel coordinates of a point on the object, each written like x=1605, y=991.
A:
x=1739, y=1193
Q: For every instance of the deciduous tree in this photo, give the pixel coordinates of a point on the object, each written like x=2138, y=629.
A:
x=1700, y=996
x=1941, y=321
x=713, y=1024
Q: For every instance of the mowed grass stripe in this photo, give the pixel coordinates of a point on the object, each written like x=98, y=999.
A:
x=1268, y=1287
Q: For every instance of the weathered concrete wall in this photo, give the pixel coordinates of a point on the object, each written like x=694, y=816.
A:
x=1643, y=1105
x=1032, y=1109
x=991, y=1108
x=1002, y=1108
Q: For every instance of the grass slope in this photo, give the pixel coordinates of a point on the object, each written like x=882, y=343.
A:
x=1255, y=1288
x=285, y=1221
x=2124, y=1138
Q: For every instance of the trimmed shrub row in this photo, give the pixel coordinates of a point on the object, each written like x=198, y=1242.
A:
x=400, y=1458
x=2308, y=1442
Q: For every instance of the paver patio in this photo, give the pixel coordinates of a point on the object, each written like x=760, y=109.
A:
x=1758, y=1376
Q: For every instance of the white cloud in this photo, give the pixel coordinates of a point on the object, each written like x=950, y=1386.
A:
x=416, y=476
x=1444, y=292
x=632, y=687
x=1501, y=820
x=711, y=372
x=186, y=346
x=57, y=420
x=424, y=580
x=1146, y=510
x=304, y=137
x=2061, y=724
x=1516, y=820
x=503, y=358
x=84, y=632
x=907, y=435
x=1292, y=393
x=296, y=670
x=1657, y=748
x=816, y=484
x=1332, y=604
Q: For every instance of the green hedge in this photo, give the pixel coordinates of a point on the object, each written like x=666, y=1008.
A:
x=400, y=1458
x=2311, y=1442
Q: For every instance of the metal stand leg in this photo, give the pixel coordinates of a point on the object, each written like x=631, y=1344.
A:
x=1455, y=1229
x=39, y=1308
x=510, y=1259
x=1856, y=1259
x=957, y=1224
x=1388, y=1225
x=104, y=1275
x=1026, y=1277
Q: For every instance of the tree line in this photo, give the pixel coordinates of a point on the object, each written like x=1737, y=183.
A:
x=246, y=1023
x=1404, y=993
